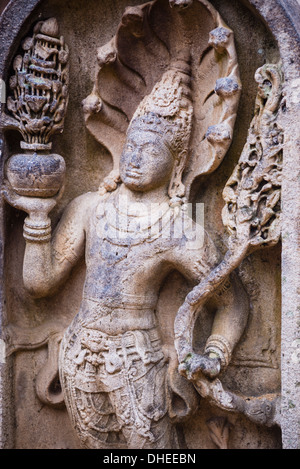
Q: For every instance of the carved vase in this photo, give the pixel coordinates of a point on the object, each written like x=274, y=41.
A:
x=35, y=174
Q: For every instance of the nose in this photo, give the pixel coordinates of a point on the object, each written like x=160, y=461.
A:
x=135, y=160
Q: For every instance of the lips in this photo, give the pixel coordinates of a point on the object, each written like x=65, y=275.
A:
x=133, y=174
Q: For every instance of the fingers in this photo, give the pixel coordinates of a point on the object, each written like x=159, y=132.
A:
x=47, y=204
x=30, y=205
x=60, y=194
x=11, y=197
x=199, y=365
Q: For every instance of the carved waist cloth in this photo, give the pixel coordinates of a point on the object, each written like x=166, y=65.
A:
x=113, y=382
x=103, y=363
x=125, y=367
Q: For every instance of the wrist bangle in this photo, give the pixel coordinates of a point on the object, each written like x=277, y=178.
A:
x=38, y=232
x=219, y=345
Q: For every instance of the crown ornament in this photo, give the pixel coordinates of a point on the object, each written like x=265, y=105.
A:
x=168, y=111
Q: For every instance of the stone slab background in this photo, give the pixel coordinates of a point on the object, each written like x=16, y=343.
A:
x=30, y=424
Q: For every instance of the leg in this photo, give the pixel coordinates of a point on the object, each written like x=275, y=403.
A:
x=163, y=436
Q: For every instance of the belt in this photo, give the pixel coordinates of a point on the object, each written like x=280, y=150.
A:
x=126, y=302
x=128, y=339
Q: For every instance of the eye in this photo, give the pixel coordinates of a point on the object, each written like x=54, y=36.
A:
x=150, y=148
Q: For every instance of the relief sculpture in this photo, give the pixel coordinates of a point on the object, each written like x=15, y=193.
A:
x=252, y=218
x=164, y=105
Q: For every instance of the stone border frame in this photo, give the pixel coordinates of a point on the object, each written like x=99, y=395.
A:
x=285, y=27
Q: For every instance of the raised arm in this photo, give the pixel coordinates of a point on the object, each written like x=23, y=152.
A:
x=48, y=259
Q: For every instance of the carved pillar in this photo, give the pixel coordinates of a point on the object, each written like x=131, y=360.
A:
x=290, y=328
x=286, y=27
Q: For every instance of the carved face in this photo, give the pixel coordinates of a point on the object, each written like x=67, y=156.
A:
x=146, y=162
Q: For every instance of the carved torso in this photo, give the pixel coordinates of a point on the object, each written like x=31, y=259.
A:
x=125, y=269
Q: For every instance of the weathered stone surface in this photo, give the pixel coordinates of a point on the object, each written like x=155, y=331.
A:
x=162, y=127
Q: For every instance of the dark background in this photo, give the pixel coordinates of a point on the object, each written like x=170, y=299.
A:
x=3, y=4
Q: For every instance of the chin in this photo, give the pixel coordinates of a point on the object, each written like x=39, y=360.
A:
x=134, y=183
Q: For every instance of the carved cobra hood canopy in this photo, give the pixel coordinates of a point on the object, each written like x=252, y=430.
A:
x=149, y=39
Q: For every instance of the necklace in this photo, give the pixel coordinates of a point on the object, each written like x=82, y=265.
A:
x=128, y=224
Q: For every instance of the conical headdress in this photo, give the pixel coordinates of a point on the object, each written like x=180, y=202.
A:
x=168, y=111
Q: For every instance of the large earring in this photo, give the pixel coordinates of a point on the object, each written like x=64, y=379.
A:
x=177, y=188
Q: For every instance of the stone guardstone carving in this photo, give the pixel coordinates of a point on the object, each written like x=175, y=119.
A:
x=165, y=125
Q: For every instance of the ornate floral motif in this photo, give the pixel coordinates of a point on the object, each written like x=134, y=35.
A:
x=253, y=192
x=40, y=86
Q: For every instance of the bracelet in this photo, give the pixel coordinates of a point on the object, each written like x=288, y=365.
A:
x=38, y=232
x=219, y=345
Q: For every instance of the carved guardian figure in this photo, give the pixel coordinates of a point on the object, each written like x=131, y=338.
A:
x=115, y=370
x=118, y=374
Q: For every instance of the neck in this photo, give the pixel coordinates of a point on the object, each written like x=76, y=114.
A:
x=157, y=196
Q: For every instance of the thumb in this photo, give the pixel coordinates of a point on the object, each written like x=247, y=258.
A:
x=10, y=196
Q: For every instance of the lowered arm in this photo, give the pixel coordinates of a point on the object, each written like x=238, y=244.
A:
x=229, y=303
